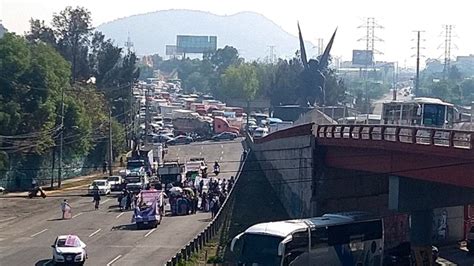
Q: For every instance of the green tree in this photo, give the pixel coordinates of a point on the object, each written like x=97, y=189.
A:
x=225, y=57
x=40, y=32
x=240, y=81
x=73, y=28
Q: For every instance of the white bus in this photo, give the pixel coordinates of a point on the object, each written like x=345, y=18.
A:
x=352, y=238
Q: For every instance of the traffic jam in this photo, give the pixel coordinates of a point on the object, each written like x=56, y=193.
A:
x=149, y=184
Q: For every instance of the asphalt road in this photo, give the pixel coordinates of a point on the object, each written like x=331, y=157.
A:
x=29, y=226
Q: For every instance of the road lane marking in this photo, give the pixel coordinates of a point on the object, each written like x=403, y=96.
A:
x=40, y=232
x=102, y=202
x=97, y=231
x=151, y=231
x=118, y=216
x=222, y=146
x=77, y=215
x=114, y=260
x=222, y=152
x=7, y=219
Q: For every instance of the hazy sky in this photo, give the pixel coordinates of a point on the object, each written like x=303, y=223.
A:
x=318, y=19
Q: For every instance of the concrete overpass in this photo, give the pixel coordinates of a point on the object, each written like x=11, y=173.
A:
x=394, y=171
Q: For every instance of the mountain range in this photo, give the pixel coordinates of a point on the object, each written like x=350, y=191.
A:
x=251, y=33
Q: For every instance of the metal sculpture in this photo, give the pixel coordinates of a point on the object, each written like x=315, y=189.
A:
x=313, y=75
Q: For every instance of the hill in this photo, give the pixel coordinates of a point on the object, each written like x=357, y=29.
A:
x=251, y=33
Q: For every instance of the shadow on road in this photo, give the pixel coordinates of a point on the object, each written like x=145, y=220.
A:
x=43, y=262
x=131, y=227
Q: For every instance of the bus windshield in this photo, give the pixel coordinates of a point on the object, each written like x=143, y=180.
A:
x=260, y=249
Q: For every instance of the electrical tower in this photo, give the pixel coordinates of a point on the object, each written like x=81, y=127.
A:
x=272, y=56
x=418, y=47
x=448, y=34
x=320, y=46
x=370, y=39
x=129, y=44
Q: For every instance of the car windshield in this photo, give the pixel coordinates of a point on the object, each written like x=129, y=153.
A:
x=113, y=178
x=261, y=249
x=98, y=183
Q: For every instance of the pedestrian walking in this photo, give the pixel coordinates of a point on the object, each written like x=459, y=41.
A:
x=66, y=209
x=96, y=199
x=104, y=167
x=121, y=162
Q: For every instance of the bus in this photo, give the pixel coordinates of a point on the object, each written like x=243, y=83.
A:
x=353, y=238
x=426, y=112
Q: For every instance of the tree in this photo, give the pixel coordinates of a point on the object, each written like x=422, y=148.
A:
x=104, y=61
x=224, y=58
x=40, y=32
x=240, y=82
x=73, y=27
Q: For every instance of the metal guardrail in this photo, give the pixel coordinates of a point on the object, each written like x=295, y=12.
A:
x=399, y=134
x=211, y=230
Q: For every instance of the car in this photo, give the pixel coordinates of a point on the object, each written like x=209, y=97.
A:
x=116, y=182
x=101, y=185
x=224, y=136
x=162, y=138
x=180, y=140
x=69, y=249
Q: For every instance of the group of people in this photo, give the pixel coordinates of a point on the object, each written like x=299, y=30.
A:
x=127, y=200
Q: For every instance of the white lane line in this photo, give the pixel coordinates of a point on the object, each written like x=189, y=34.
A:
x=220, y=159
x=40, y=232
x=151, y=231
x=77, y=215
x=97, y=231
x=222, y=146
x=114, y=260
x=7, y=219
x=118, y=216
x=102, y=202
x=222, y=152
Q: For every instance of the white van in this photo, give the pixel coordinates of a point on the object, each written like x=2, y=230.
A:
x=260, y=132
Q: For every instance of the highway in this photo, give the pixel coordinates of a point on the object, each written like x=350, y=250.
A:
x=28, y=227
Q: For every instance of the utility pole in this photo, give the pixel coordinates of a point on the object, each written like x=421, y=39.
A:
x=111, y=154
x=417, y=78
x=61, y=141
x=147, y=115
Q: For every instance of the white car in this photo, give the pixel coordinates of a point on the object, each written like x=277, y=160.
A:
x=69, y=249
x=116, y=182
x=101, y=185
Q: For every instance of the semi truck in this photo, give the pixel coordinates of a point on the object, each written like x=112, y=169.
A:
x=141, y=158
x=171, y=172
x=203, y=127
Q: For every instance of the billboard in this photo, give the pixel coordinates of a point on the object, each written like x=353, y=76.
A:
x=172, y=50
x=196, y=44
x=362, y=57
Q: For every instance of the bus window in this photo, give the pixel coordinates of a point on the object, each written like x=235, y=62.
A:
x=319, y=238
x=433, y=115
x=260, y=249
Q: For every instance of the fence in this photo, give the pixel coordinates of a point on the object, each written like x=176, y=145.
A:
x=211, y=230
x=400, y=134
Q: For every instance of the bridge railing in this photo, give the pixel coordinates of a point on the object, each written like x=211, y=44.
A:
x=402, y=134
x=198, y=243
